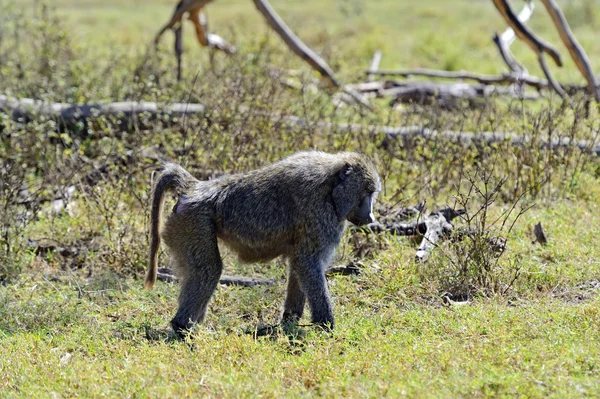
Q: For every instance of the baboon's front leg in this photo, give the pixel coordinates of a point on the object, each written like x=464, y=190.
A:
x=293, y=308
x=310, y=270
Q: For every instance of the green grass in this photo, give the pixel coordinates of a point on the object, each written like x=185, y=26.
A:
x=451, y=35
x=82, y=326
x=56, y=338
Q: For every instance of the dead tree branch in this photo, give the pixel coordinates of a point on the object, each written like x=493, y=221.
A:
x=524, y=33
x=180, y=9
x=165, y=274
x=28, y=109
x=294, y=43
x=449, y=94
x=538, y=45
x=553, y=82
x=577, y=52
x=504, y=41
x=464, y=75
x=432, y=227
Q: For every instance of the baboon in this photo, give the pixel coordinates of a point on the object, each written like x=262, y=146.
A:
x=295, y=208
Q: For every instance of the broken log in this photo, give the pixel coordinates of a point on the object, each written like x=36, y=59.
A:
x=165, y=274
x=448, y=94
x=27, y=109
x=464, y=75
x=432, y=227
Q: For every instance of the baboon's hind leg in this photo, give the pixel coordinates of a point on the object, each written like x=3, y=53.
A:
x=200, y=267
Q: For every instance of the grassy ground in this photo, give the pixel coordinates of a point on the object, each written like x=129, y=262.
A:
x=431, y=33
x=77, y=323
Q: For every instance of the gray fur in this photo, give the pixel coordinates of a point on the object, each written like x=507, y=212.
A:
x=296, y=208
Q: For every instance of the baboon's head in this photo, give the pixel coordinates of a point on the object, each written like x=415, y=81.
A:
x=355, y=189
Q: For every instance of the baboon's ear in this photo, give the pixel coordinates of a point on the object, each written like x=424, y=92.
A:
x=342, y=197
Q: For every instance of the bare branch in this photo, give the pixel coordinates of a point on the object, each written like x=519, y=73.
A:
x=524, y=33
x=182, y=7
x=206, y=39
x=504, y=41
x=577, y=52
x=553, y=82
x=294, y=43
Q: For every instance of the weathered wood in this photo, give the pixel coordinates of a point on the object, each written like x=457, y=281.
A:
x=508, y=57
x=28, y=109
x=206, y=39
x=449, y=94
x=504, y=40
x=374, y=65
x=294, y=43
x=524, y=33
x=553, y=82
x=577, y=52
x=180, y=9
x=432, y=227
x=165, y=274
x=464, y=75
x=304, y=52
x=539, y=46
x=350, y=269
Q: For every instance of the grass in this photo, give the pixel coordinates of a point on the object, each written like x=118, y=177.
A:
x=81, y=325
x=430, y=34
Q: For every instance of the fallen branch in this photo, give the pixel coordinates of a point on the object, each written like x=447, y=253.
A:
x=165, y=274
x=449, y=94
x=28, y=109
x=25, y=109
x=553, y=82
x=463, y=75
x=432, y=227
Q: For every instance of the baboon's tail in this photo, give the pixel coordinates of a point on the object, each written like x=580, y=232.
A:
x=172, y=177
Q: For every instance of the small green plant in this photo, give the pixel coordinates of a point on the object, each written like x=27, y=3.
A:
x=472, y=264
